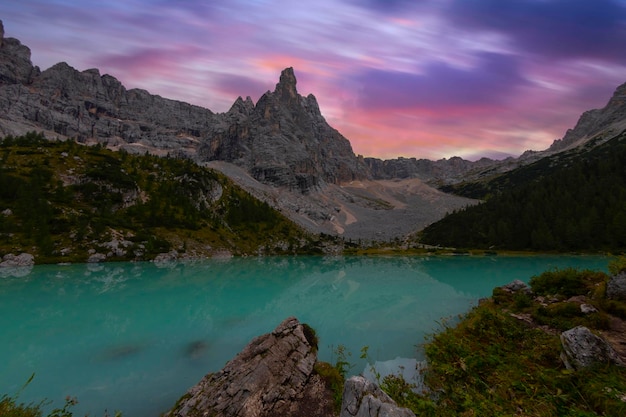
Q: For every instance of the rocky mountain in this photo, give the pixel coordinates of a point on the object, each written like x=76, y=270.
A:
x=283, y=140
x=599, y=125
x=280, y=149
x=593, y=128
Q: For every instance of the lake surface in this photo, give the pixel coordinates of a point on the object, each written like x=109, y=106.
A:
x=135, y=336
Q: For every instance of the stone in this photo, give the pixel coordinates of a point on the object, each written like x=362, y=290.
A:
x=272, y=376
x=582, y=348
x=516, y=286
x=363, y=398
x=17, y=266
x=96, y=258
x=12, y=261
x=616, y=287
x=587, y=309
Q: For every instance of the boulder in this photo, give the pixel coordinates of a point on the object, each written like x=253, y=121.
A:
x=12, y=261
x=17, y=266
x=582, y=349
x=516, y=286
x=363, y=398
x=616, y=287
x=272, y=376
x=96, y=257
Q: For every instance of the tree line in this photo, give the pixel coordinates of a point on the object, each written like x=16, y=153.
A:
x=581, y=205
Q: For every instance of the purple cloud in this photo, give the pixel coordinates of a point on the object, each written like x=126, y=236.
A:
x=442, y=86
x=552, y=28
x=237, y=85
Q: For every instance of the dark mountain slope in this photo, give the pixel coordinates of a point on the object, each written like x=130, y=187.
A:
x=574, y=203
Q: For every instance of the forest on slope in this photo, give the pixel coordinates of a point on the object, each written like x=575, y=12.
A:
x=62, y=202
x=571, y=202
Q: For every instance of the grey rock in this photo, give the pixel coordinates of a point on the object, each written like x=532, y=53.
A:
x=17, y=266
x=582, y=348
x=96, y=258
x=597, y=124
x=166, y=258
x=363, y=398
x=283, y=140
x=11, y=261
x=443, y=171
x=516, y=286
x=272, y=376
x=587, y=309
x=616, y=287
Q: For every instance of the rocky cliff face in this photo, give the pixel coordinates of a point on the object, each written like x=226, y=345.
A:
x=272, y=376
x=443, y=171
x=281, y=149
x=283, y=140
x=603, y=123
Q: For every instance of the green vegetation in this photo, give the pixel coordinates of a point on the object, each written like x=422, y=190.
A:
x=67, y=201
x=10, y=407
x=492, y=364
x=563, y=203
x=334, y=376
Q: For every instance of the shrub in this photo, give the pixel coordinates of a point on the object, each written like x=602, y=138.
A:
x=567, y=282
x=617, y=265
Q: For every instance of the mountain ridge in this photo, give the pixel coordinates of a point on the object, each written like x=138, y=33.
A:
x=290, y=156
x=280, y=149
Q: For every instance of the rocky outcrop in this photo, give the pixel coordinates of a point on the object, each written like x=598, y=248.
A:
x=16, y=265
x=603, y=123
x=616, y=287
x=13, y=261
x=15, y=65
x=442, y=171
x=582, y=349
x=363, y=398
x=63, y=102
x=516, y=286
x=283, y=140
x=272, y=376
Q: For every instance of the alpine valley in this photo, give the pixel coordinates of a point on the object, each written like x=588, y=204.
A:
x=204, y=183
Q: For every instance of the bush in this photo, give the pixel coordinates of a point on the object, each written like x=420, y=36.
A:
x=617, y=265
x=567, y=282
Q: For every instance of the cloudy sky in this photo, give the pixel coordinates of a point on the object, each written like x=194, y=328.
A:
x=412, y=78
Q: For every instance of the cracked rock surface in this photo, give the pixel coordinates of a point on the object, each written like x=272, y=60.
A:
x=272, y=376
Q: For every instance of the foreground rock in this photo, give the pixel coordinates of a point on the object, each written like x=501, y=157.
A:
x=362, y=398
x=16, y=265
x=14, y=261
x=582, y=349
x=616, y=287
x=272, y=376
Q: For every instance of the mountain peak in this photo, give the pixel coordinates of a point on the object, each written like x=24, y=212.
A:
x=286, y=87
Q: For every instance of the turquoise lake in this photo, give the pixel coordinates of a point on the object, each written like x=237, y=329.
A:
x=134, y=337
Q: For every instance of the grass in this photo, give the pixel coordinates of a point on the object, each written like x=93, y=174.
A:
x=492, y=364
x=11, y=407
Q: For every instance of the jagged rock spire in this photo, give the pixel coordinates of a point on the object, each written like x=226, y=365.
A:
x=286, y=87
x=1, y=32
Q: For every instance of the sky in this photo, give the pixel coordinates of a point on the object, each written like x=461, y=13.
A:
x=398, y=78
